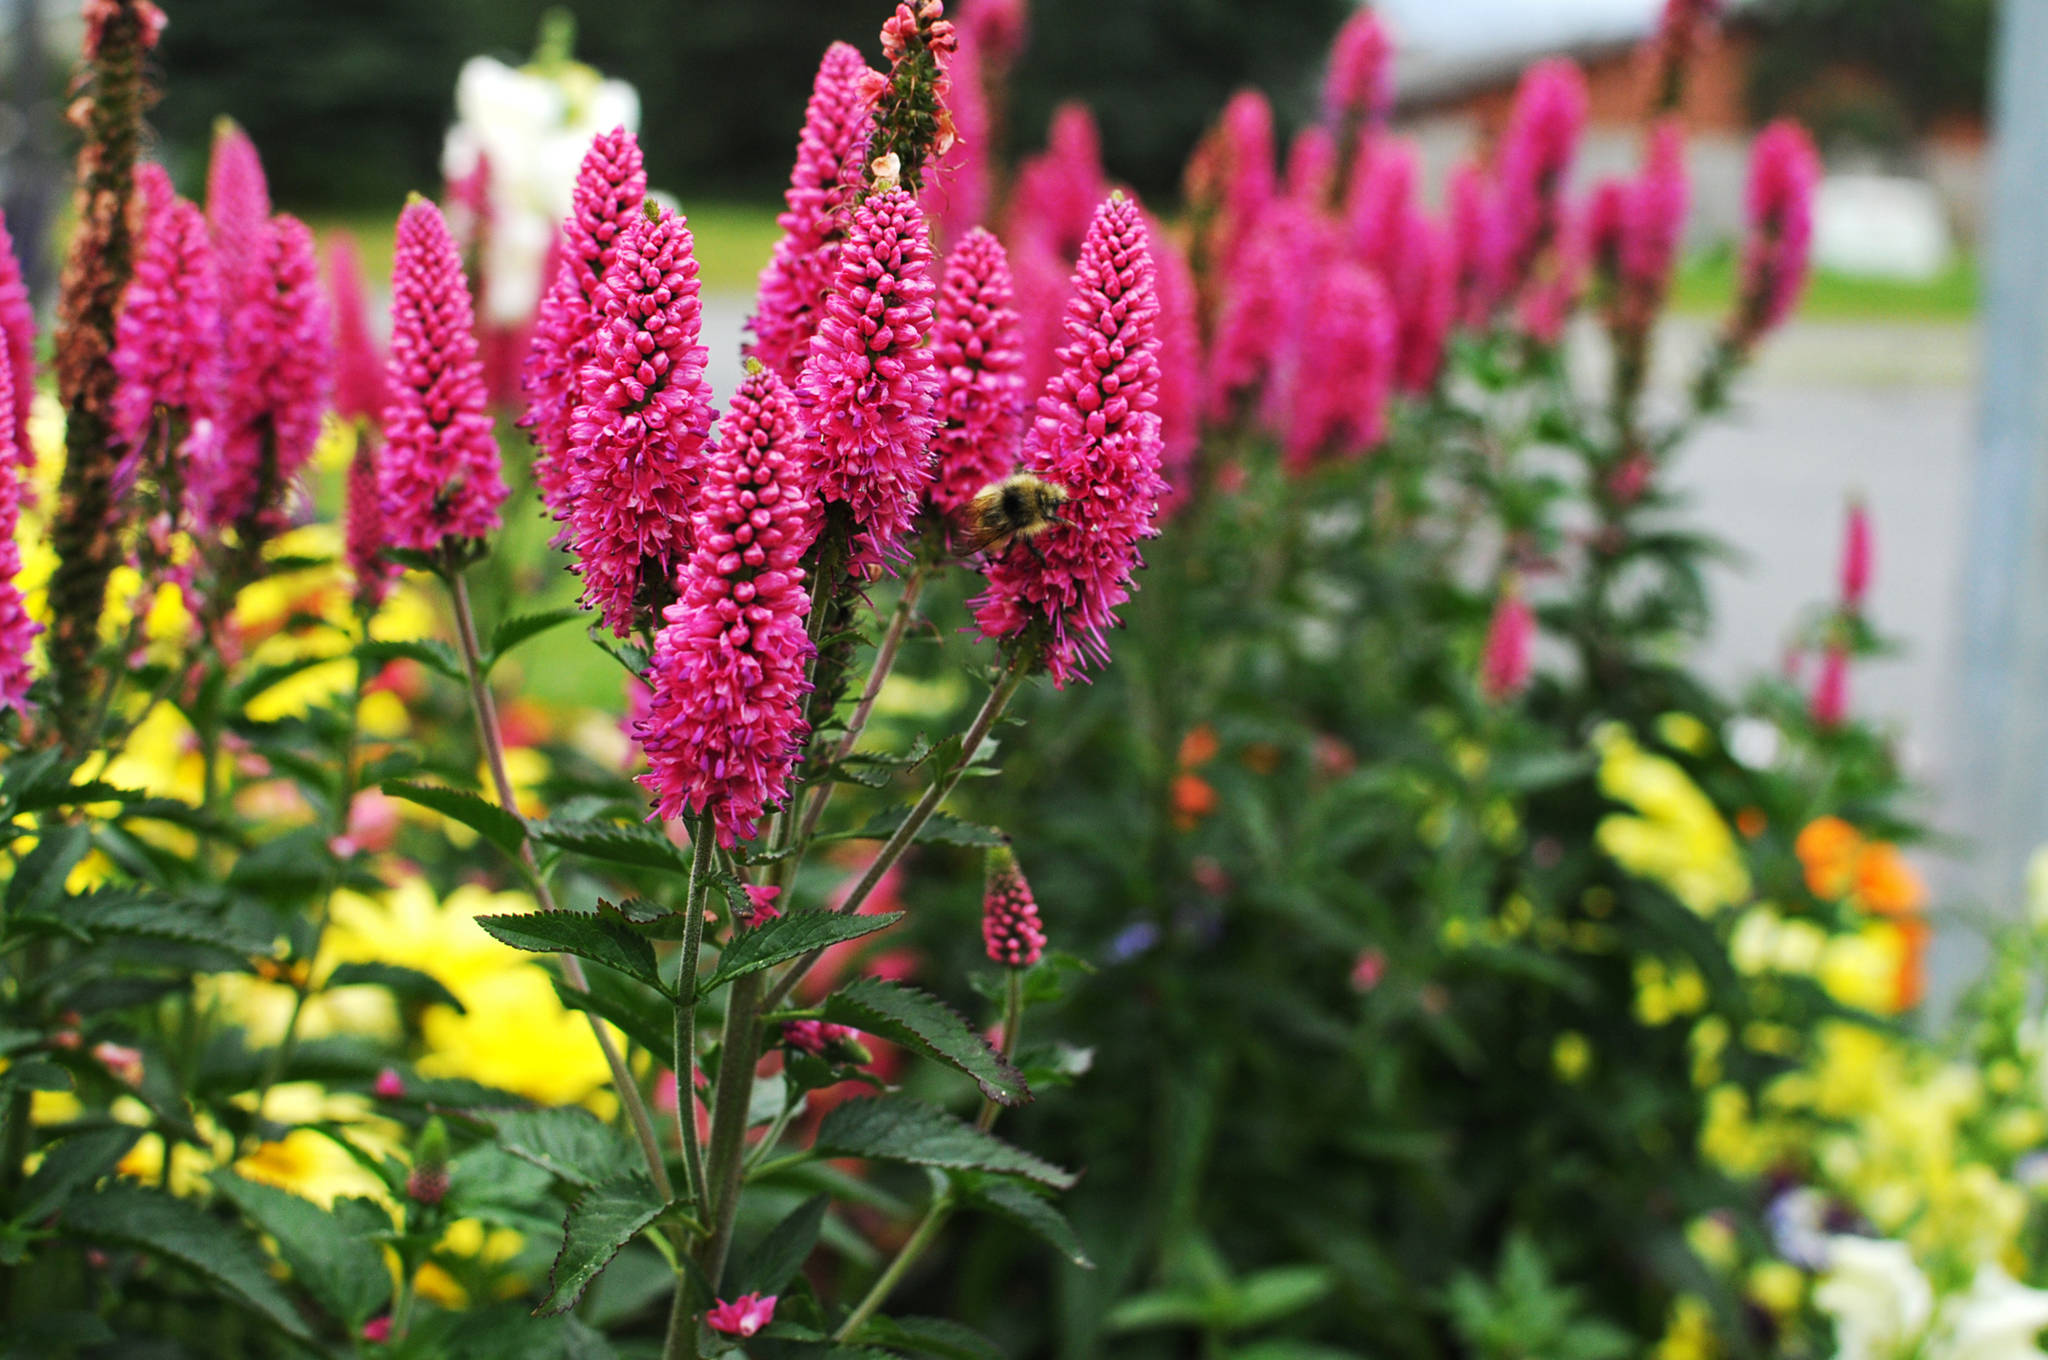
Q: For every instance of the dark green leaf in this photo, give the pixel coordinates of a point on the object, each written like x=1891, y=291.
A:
x=779, y=1255
x=1031, y=1213
x=519, y=628
x=789, y=937
x=573, y=1144
x=124, y=1215
x=38, y=882
x=920, y=1021
x=939, y=829
x=606, y=1218
x=898, y=1129
x=611, y=943
x=646, y=1018
x=486, y=818
x=72, y=1164
x=407, y=984
x=931, y=1336
x=154, y=917
x=435, y=656
x=633, y=843
x=344, y=1273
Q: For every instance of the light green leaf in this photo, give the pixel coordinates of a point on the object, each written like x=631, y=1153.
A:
x=574, y=1144
x=343, y=1272
x=789, y=937
x=631, y=843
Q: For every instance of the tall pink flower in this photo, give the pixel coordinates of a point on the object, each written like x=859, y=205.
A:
x=981, y=391
x=278, y=370
x=237, y=211
x=1011, y=932
x=1382, y=194
x=17, y=351
x=1552, y=289
x=1784, y=170
x=1510, y=653
x=1857, y=556
x=869, y=389
x=358, y=359
x=1829, y=705
x=1312, y=167
x=437, y=477
x=1051, y=204
x=1634, y=228
x=1425, y=289
x=956, y=191
x=1478, y=243
x=637, y=446
x=611, y=186
x=1250, y=326
x=1097, y=436
x=17, y=629
x=1358, y=91
x=1536, y=156
x=997, y=27
x=1230, y=180
x=1338, y=405
x=364, y=537
x=725, y=719
x=167, y=340
x=1180, y=363
x=830, y=154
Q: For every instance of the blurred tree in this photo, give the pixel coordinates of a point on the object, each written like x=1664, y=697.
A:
x=1927, y=57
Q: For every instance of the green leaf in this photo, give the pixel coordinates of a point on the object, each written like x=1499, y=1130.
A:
x=343, y=1272
x=148, y=916
x=779, y=1255
x=1283, y=1291
x=265, y=678
x=645, y=1018
x=789, y=937
x=487, y=819
x=70, y=1164
x=406, y=984
x=573, y=1144
x=39, y=879
x=520, y=628
x=124, y=1215
x=939, y=829
x=1031, y=1213
x=632, y=843
x=931, y=1336
x=606, y=1218
x=611, y=943
x=435, y=656
x=920, y=1021
x=898, y=1129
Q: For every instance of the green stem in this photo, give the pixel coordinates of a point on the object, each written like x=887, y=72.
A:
x=878, y=674
x=701, y=841
x=906, y=1256
x=1013, y=1020
x=892, y=850
x=740, y=1047
x=492, y=739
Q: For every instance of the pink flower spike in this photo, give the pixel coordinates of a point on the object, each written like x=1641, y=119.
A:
x=359, y=392
x=1231, y=177
x=364, y=538
x=1010, y=928
x=237, y=210
x=1857, y=556
x=437, y=476
x=637, y=445
x=725, y=719
x=814, y=1036
x=1311, y=167
x=1180, y=364
x=997, y=28
x=869, y=389
x=1359, y=89
x=1830, y=703
x=18, y=341
x=17, y=629
x=830, y=153
x=744, y=1316
x=981, y=392
x=611, y=186
x=1338, y=403
x=1477, y=243
x=167, y=341
x=1784, y=171
x=1537, y=152
x=1506, y=664
x=1658, y=208
x=956, y=188
x=1097, y=436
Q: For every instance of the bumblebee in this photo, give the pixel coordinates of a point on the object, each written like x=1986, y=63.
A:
x=1021, y=506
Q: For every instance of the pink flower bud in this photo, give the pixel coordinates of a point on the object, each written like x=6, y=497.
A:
x=390, y=1085
x=1510, y=653
x=1830, y=704
x=744, y=1316
x=1010, y=929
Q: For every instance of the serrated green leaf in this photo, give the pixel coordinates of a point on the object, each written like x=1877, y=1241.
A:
x=486, y=818
x=779, y=1255
x=262, y=679
x=573, y=1144
x=435, y=656
x=149, y=916
x=920, y=1021
x=632, y=843
x=603, y=1220
x=789, y=937
x=345, y=1274
x=407, y=984
x=521, y=628
x=931, y=1336
x=1030, y=1212
x=898, y=1129
x=940, y=828
x=72, y=1164
x=38, y=882
x=125, y=1215
x=611, y=943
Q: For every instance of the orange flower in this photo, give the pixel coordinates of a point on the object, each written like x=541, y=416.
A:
x=1193, y=799
x=1886, y=884
x=1751, y=822
x=1199, y=747
x=1912, y=962
x=1828, y=847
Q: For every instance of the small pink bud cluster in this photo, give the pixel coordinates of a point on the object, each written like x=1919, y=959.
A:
x=637, y=441
x=981, y=392
x=870, y=390
x=829, y=155
x=1784, y=171
x=611, y=186
x=438, y=477
x=725, y=719
x=1010, y=928
x=1509, y=657
x=1097, y=436
x=815, y=1037
x=743, y=1316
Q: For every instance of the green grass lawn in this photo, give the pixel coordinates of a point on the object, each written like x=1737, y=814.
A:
x=1706, y=287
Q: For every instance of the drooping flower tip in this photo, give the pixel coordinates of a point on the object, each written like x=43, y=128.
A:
x=1857, y=557
x=869, y=386
x=1784, y=171
x=743, y=1316
x=1011, y=931
x=611, y=185
x=725, y=719
x=637, y=443
x=1509, y=657
x=437, y=475
x=976, y=349
x=1360, y=83
x=1097, y=435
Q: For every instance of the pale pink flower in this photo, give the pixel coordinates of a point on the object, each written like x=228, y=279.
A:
x=744, y=1316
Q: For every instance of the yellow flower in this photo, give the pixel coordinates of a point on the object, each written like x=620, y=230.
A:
x=1689, y=1335
x=1778, y=1286
x=1572, y=1056
x=1678, y=839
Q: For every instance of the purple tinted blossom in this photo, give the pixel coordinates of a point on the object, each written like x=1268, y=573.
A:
x=981, y=392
